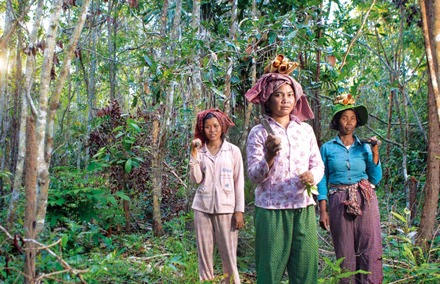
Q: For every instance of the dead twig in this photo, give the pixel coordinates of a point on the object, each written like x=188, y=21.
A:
x=68, y=268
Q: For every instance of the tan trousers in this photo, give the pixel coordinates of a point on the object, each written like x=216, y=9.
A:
x=216, y=228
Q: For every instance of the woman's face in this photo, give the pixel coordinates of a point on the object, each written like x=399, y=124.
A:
x=347, y=122
x=213, y=129
x=282, y=101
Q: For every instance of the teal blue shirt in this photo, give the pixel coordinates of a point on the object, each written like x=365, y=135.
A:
x=347, y=166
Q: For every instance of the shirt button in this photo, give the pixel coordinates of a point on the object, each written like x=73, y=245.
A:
x=349, y=178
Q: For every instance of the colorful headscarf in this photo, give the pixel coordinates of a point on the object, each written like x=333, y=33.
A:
x=222, y=118
x=266, y=85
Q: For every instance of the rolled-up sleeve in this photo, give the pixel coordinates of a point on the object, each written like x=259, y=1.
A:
x=238, y=180
x=258, y=168
x=374, y=171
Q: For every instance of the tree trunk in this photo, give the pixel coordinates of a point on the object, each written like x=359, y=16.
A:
x=156, y=180
x=91, y=97
x=428, y=216
x=26, y=90
x=247, y=118
x=42, y=165
x=45, y=154
x=412, y=198
x=388, y=147
x=159, y=136
x=228, y=75
x=80, y=117
x=428, y=29
x=111, y=50
x=197, y=91
x=3, y=84
x=31, y=199
x=15, y=127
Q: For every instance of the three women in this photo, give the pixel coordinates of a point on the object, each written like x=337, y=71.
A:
x=284, y=159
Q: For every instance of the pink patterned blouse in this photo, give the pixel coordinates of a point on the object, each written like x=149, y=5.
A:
x=280, y=187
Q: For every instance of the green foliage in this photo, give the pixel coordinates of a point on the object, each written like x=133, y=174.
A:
x=406, y=260
x=82, y=196
x=122, y=151
x=336, y=272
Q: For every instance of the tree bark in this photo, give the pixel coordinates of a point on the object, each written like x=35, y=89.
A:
x=428, y=216
x=43, y=170
x=31, y=199
x=15, y=127
x=26, y=90
x=3, y=93
x=197, y=91
x=159, y=136
x=316, y=103
x=111, y=50
x=45, y=151
x=230, y=64
x=428, y=29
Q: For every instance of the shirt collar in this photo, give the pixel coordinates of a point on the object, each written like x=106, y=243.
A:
x=204, y=148
x=292, y=119
x=338, y=140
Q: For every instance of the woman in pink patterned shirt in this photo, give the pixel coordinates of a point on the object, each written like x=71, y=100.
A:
x=282, y=165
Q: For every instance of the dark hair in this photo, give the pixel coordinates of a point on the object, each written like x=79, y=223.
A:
x=208, y=116
x=334, y=124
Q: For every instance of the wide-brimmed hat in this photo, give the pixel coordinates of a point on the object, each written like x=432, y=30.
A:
x=345, y=102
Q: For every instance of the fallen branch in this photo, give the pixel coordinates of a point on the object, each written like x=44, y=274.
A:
x=68, y=268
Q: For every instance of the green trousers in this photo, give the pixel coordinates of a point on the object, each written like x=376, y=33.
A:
x=286, y=239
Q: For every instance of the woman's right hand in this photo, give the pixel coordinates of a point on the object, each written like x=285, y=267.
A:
x=273, y=145
x=195, y=144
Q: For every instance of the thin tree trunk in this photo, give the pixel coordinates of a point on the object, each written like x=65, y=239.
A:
x=159, y=135
x=80, y=119
x=54, y=103
x=197, y=91
x=316, y=102
x=412, y=198
x=14, y=133
x=388, y=147
x=405, y=126
x=111, y=51
x=247, y=118
x=31, y=199
x=42, y=165
x=91, y=99
x=3, y=93
x=30, y=66
x=228, y=75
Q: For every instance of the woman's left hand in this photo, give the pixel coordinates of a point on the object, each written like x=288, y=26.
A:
x=374, y=150
x=307, y=177
x=237, y=221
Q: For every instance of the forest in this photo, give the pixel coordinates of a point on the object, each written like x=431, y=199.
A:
x=98, y=105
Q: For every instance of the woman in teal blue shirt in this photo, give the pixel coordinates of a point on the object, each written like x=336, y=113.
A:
x=352, y=168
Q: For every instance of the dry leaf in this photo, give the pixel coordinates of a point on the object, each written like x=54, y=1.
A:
x=332, y=60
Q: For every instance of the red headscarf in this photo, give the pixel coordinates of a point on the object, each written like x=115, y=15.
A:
x=266, y=85
x=222, y=118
